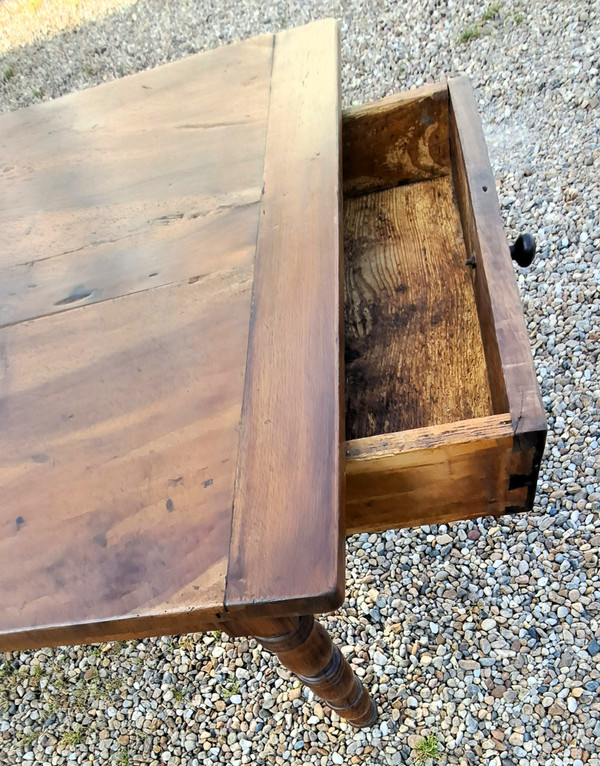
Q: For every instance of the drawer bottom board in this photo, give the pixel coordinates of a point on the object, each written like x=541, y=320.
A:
x=414, y=354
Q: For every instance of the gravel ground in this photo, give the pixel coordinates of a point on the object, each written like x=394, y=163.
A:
x=485, y=634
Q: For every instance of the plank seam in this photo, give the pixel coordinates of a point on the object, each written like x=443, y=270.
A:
x=251, y=323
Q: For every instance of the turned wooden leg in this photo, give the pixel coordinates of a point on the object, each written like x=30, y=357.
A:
x=304, y=647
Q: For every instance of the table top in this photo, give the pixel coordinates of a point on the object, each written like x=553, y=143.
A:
x=170, y=410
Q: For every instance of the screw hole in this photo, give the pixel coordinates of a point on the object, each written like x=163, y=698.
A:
x=484, y=188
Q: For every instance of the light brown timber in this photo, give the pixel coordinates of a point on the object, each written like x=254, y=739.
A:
x=127, y=240
x=141, y=182
x=118, y=451
x=414, y=356
x=512, y=378
x=287, y=542
x=428, y=475
x=397, y=140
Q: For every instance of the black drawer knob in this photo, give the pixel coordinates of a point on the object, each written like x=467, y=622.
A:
x=523, y=251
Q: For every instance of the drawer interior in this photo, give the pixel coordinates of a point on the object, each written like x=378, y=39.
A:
x=414, y=355
x=413, y=349
x=429, y=432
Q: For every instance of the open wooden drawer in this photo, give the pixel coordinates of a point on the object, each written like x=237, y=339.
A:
x=444, y=419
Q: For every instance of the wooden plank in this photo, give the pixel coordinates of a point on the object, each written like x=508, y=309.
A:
x=397, y=140
x=287, y=544
x=513, y=382
x=428, y=476
x=138, y=183
x=118, y=450
x=119, y=418
x=414, y=355
x=191, y=248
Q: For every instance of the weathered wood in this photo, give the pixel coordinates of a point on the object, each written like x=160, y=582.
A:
x=397, y=140
x=513, y=383
x=118, y=450
x=304, y=647
x=405, y=371
x=183, y=246
x=138, y=183
x=287, y=541
x=121, y=412
x=414, y=356
x=119, y=418
x=429, y=475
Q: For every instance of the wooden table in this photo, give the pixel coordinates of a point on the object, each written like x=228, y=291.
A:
x=172, y=415
x=170, y=444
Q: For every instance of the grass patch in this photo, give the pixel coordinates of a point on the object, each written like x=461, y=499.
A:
x=481, y=27
x=234, y=687
x=491, y=12
x=79, y=697
x=110, y=686
x=470, y=33
x=519, y=18
x=72, y=738
x=38, y=93
x=54, y=690
x=427, y=750
x=28, y=739
x=9, y=73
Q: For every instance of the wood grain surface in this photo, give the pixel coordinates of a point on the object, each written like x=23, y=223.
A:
x=512, y=378
x=414, y=356
x=429, y=475
x=287, y=543
x=137, y=183
x=140, y=214
x=399, y=139
x=118, y=451
x=127, y=240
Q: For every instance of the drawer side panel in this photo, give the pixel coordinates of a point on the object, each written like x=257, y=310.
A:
x=512, y=378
